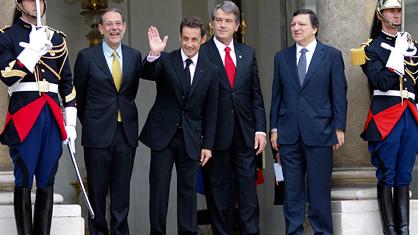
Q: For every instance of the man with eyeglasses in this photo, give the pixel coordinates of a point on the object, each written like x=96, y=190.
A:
x=106, y=78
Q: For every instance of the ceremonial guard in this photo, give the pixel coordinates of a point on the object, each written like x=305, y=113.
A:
x=391, y=129
x=34, y=65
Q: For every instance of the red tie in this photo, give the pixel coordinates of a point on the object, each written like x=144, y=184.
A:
x=229, y=66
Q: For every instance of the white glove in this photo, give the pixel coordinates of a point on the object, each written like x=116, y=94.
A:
x=396, y=62
x=39, y=44
x=70, y=116
x=402, y=48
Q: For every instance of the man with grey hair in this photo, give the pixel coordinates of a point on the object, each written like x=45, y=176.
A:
x=241, y=125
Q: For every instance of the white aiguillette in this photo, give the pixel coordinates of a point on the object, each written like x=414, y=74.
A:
x=278, y=172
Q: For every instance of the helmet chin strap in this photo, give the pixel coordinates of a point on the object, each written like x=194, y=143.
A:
x=21, y=9
x=383, y=18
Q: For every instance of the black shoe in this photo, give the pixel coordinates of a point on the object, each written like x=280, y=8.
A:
x=401, y=201
x=384, y=198
x=23, y=211
x=43, y=210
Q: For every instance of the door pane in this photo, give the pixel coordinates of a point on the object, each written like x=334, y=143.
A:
x=411, y=19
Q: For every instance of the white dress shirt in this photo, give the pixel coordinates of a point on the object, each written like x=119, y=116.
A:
x=108, y=54
x=309, y=53
x=192, y=66
x=221, y=48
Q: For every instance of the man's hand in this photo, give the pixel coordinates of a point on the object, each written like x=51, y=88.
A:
x=156, y=45
x=205, y=155
x=260, y=143
x=274, y=137
x=340, y=137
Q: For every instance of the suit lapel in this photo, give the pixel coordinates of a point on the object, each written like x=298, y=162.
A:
x=315, y=62
x=101, y=61
x=178, y=67
x=216, y=59
x=292, y=64
x=127, y=59
x=240, y=62
x=198, y=75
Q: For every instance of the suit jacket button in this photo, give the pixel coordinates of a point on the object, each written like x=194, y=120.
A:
x=183, y=97
x=232, y=111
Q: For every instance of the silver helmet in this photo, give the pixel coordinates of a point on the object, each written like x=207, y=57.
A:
x=387, y=4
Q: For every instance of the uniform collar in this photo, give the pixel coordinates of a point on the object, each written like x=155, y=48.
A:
x=388, y=36
x=24, y=23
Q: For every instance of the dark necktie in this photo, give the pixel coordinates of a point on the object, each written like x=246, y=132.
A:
x=302, y=66
x=229, y=67
x=187, y=76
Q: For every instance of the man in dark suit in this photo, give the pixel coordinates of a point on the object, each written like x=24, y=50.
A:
x=180, y=128
x=240, y=130
x=307, y=120
x=106, y=78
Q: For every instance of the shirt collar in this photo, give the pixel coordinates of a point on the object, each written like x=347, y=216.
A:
x=108, y=51
x=310, y=47
x=184, y=57
x=221, y=46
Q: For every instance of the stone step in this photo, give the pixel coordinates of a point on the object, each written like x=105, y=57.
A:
x=6, y=198
x=361, y=217
x=66, y=220
x=7, y=181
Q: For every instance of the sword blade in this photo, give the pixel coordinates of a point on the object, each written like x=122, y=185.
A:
x=80, y=181
x=38, y=13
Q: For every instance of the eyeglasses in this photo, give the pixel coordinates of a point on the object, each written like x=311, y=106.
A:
x=116, y=23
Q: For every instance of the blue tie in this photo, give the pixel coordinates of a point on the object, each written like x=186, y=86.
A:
x=302, y=66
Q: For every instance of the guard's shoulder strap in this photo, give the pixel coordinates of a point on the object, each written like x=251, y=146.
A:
x=58, y=31
x=5, y=28
x=358, y=55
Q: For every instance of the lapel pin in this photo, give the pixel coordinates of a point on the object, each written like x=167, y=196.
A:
x=240, y=56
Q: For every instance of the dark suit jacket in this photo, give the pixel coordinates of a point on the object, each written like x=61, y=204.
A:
x=244, y=103
x=195, y=112
x=315, y=110
x=98, y=101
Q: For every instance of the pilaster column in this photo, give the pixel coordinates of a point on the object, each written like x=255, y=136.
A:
x=6, y=168
x=344, y=25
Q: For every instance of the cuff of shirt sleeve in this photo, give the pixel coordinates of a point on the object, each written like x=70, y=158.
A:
x=260, y=132
x=151, y=58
